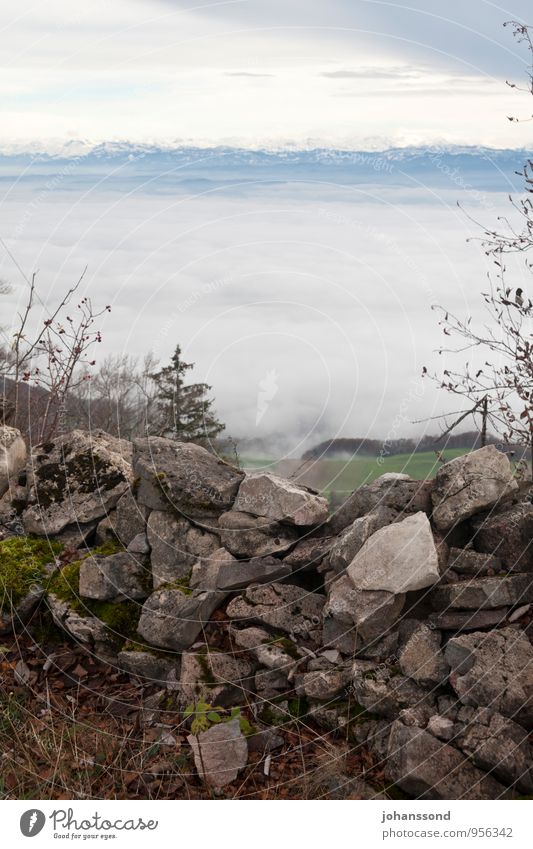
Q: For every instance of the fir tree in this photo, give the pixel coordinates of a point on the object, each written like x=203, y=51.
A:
x=183, y=412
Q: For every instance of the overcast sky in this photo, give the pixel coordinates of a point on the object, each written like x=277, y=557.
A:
x=345, y=73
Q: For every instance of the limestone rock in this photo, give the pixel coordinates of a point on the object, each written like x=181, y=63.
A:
x=217, y=678
x=441, y=727
x=281, y=606
x=350, y=542
x=471, y=483
x=205, y=573
x=484, y=593
x=130, y=518
x=398, y=558
x=421, y=658
x=398, y=493
x=85, y=628
x=324, y=684
x=382, y=691
x=267, y=495
x=354, y=617
x=220, y=753
x=75, y=478
x=426, y=768
x=148, y=667
x=508, y=534
x=473, y=563
x=176, y=546
x=497, y=744
x=308, y=554
x=494, y=670
x=249, y=536
x=119, y=577
x=468, y=620
x=276, y=654
x=261, y=570
x=12, y=455
x=172, y=619
x=184, y=478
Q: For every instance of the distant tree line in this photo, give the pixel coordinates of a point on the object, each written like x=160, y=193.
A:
x=346, y=447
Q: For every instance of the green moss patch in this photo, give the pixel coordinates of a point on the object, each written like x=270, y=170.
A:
x=121, y=617
x=22, y=562
x=181, y=584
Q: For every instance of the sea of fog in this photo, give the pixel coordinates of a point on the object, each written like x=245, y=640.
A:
x=299, y=284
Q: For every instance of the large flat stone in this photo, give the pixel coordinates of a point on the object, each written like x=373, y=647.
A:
x=426, y=768
x=220, y=753
x=249, y=536
x=484, y=593
x=75, y=478
x=494, y=670
x=263, y=494
x=398, y=558
x=172, y=619
x=119, y=577
x=471, y=483
x=239, y=574
x=350, y=542
x=184, y=478
x=176, y=546
x=353, y=617
x=468, y=620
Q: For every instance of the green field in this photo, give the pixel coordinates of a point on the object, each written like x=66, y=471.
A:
x=346, y=475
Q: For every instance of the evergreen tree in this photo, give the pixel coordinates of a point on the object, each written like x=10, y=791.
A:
x=183, y=412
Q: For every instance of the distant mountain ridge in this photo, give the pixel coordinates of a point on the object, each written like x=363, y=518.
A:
x=163, y=168
x=83, y=149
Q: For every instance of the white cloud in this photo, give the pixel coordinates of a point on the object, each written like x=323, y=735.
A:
x=330, y=287
x=254, y=73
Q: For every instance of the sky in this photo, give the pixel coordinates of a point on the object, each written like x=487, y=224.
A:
x=302, y=286
x=339, y=73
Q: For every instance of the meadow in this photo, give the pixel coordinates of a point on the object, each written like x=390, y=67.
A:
x=345, y=475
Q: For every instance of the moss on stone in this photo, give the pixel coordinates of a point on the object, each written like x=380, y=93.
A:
x=121, y=617
x=65, y=584
x=90, y=471
x=182, y=584
x=22, y=562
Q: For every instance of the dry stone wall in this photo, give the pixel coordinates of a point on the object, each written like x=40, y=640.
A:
x=403, y=620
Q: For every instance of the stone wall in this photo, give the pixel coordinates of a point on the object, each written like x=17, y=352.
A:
x=402, y=620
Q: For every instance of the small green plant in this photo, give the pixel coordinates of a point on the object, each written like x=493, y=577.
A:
x=204, y=716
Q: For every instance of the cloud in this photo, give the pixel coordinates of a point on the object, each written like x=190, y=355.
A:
x=328, y=286
x=162, y=71
x=246, y=74
x=374, y=73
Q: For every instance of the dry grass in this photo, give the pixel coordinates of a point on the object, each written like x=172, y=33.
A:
x=72, y=728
